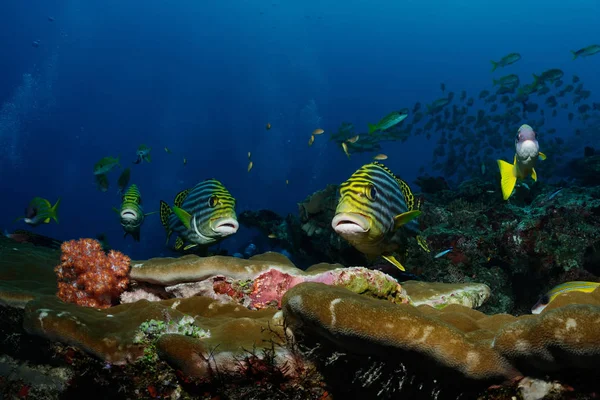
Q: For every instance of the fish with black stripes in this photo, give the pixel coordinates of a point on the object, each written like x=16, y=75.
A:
x=375, y=211
x=201, y=216
x=131, y=212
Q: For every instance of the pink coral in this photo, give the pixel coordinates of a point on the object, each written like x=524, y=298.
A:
x=89, y=277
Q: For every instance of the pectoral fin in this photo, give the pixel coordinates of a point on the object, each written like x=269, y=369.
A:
x=183, y=216
x=533, y=174
x=189, y=246
x=541, y=156
x=405, y=218
x=392, y=260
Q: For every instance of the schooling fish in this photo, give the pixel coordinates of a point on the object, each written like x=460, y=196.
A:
x=506, y=60
x=575, y=286
x=389, y=120
x=374, y=205
x=105, y=165
x=131, y=212
x=143, y=154
x=526, y=155
x=202, y=215
x=586, y=51
x=40, y=211
x=102, y=182
x=124, y=180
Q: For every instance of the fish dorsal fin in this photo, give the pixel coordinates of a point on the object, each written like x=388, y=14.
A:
x=179, y=243
x=409, y=198
x=542, y=156
x=391, y=259
x=183, y=216
x=405, y=218
x=165, y=213
x=180, y=198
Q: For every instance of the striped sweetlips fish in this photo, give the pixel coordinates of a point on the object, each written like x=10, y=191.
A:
x=375, y=210
x=202, y=215
x=131, y=212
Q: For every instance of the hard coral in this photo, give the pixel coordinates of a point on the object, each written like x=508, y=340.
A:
x=89, y=277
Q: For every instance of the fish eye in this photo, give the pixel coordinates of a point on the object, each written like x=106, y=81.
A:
x=545, y=299
x=212, y=201
x=371, y=192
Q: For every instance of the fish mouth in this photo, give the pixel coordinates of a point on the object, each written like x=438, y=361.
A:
x=225, y=226
x=128, y=215
x=350, y=223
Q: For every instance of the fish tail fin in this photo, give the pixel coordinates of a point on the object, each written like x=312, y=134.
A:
x=372, y=128
x=54, y=211
x=575, y=55
x=508, y=178
x=494, y=65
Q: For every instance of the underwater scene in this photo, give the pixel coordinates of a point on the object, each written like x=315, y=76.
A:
x=267, y=199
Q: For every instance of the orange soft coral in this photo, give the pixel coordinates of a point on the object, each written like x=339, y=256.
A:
x=89, y=277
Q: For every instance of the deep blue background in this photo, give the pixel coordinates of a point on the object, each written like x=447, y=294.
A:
x=204, y=77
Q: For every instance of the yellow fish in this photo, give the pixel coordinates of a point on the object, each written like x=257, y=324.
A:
x=526, y=154
x=375, y=210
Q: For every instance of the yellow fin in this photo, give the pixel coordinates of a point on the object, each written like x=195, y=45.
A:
x=541, y=156
x=47, y=220
x=54, y=211
x=392, y=260
x=405, y=218
x=183, y=216
x=508, y=178
x=423, y=244
x=179, y=243
x=533, y=174
x=189, y=246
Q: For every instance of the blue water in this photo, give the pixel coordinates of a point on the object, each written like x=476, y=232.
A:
x=204, y=77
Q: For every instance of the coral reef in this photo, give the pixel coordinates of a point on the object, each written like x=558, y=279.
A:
x=519, y=251
x=89, y=277
x=193, y=327
x=256, y=283
x=391, y=350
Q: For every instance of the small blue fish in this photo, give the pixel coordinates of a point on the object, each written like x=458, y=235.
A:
x=443, y=253
x=553, y=195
